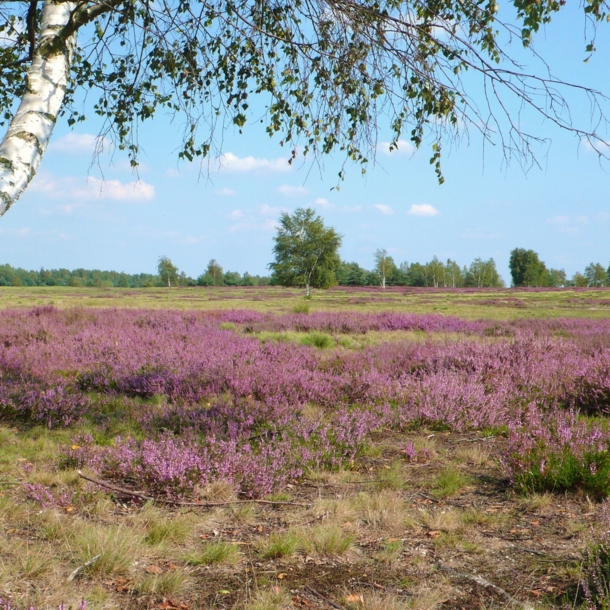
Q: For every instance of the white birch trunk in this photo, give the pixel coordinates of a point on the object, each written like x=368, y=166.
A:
x=30, y=130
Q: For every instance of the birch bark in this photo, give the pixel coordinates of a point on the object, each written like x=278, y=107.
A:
x=30, y=130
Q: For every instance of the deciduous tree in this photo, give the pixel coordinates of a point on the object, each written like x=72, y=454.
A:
x=384, y=265
x=306, y=251
x=595, y=274
x=527, y=269
x=167, y=271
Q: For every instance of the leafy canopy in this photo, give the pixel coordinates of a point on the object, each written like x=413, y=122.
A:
x=328, y=73
x=306, y=251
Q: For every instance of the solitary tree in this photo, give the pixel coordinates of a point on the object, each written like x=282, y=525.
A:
x=168, y=271
x=326, y=71
x=384, y=264
x=305, y=251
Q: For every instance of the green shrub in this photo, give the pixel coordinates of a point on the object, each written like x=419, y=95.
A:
x=320, y=340
x=301, y=308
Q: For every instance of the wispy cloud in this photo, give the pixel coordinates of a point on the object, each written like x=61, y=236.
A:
x=236, y=214
x=401, y=147
x=384, y=209
x=292, y=191
x=21, y=232
x=90, y=188
x=150, y=232
x=79, y=143
x=225, y=192
x=568, y=225
x=253, y=226
x=323, y=202
x=232, y=163
x=269, y=210
x=479, y=234
x=423, y=209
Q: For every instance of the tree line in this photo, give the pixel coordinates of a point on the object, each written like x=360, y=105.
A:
x=214, y=275
x=306, y=254
x=527, y=269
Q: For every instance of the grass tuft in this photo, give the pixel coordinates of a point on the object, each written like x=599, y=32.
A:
x=219, y=552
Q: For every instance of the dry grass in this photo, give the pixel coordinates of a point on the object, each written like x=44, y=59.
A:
x=385, y=518
x=383, y=511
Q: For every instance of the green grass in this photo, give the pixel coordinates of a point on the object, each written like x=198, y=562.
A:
x=214, y=553
x=492, y=304
x=449, y=482
x=279, y=545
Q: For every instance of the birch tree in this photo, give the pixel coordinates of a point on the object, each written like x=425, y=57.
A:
x=326, y=74
x=306, y=251
x=384, y=264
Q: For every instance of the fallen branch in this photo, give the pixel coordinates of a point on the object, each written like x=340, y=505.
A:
x=142, y=496
x=81, y=568
x=327, y=601
x=485, y=583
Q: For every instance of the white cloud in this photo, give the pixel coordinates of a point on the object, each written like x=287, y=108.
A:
x=292, y=191
x=236, y=214
x=423, y=209
x=567, y=224
x=79, y=143
x=91, y=188
x=323, y=202
x=232, y=163
x=384, y=209
x=117, y=190
x=401, y=147
x=172, y=172
x=268, y=210
x=225, y=192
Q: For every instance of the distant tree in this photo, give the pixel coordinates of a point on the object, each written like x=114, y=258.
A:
x=483, y=274
x=595, y=274
x=231, y=278
x=416, y=274
x=579, y=280
x=306, y=251
x=435, y=273
x=247, y=280
x=527, y=269
x=168, y=272
x=557, y=278
x=212, y=276
x=350, y=274
x=453, y=274
x=384, y=266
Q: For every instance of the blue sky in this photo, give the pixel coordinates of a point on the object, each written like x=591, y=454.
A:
x=76, y=214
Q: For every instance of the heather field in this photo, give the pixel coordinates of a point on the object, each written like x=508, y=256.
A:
x=245, y=448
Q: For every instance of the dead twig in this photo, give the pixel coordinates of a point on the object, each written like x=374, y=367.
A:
x=488, y=585
x=327, y=601
x=78, y=570
x=142, y=496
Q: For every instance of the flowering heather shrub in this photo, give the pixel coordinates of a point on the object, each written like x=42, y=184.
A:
x=45, y=497
x=558, y=451
x=208, y=402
